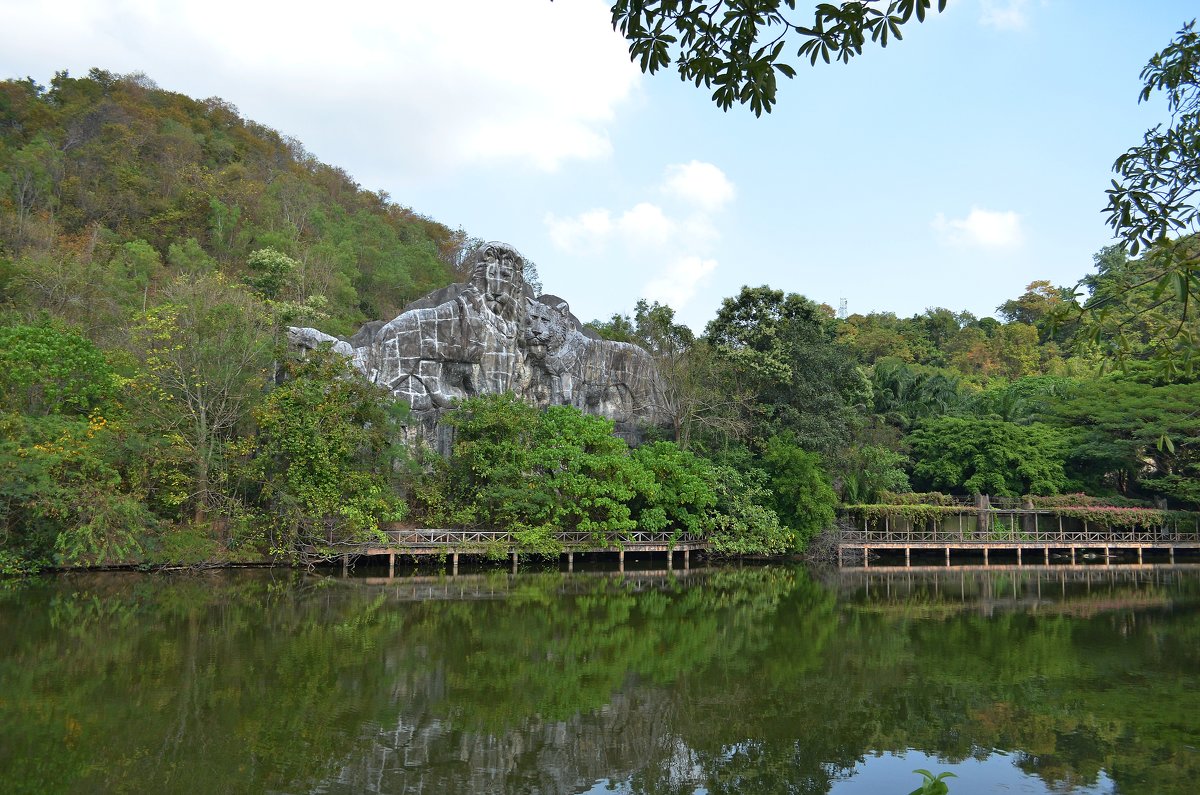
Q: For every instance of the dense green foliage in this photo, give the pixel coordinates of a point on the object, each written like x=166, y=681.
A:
x=988, y=456
x=114, y=183
x=325, y=459
x=538, y=472
x=152, y=248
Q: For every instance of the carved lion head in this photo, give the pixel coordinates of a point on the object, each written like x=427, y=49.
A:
x=498, y=271
x=546, y=328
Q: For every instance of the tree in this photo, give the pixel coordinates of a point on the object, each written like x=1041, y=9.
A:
x=783, y=352
x=700, y=392
x=205, y=354
x=1040, y=305
x=804, y=496
x=1154, y=195
x=47, y=371
x=1130, y=437
x=744, y=521
x=683, y=492
x=988, y=456
x=65, y=490
x=740, y=46
x=1130, y=317
x=326, y=456
x=515, y=467
x=904, y=394
x=873, y=469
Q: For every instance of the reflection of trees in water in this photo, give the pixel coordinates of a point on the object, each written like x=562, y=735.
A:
x=738, y=680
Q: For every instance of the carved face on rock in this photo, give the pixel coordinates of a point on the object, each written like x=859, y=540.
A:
x=498, y=274
x=546, y=329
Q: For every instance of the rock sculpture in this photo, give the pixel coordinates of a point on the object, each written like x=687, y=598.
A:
x=491, y=335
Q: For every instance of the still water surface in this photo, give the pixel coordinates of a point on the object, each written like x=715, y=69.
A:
x=719, y=680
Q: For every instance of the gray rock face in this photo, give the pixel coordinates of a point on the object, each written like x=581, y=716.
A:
x=490, y=336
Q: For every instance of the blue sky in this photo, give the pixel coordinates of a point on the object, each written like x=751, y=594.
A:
x=950, y=169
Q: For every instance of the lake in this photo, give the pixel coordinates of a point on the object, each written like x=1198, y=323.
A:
x=723, y=679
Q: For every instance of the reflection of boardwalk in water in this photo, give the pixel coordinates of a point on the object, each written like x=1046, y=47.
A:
x=1079, y=591
x=495, y=585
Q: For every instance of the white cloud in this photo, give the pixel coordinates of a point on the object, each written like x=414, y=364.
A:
x=983, y=228
x=588, y=230
x=678, y=283
x=698, y=183
x=649, y=235
x=646, y=225
x=1004, y=14
x=445, y=84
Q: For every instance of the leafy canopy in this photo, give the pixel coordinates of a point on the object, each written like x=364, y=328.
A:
x=1152, y=202
x=740, y=46
x=989, y=456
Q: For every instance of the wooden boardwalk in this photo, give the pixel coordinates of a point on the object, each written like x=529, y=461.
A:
x=1030, y=542
x=492, y=543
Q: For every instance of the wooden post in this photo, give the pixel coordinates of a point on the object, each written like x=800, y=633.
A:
x=570, y=561
x=1018, y=556
x=514, y=563
x=621, y=559
x=1139, y=556
x=391, y=565
x=1072, y=556
x=839, y=555
x=1047, y=551
x=670, y=554
x=867, y=557
x=985, y=556
x=947, y=557
x=907, y=557
x=687, y=555
x=1172, y=556
x=454, y=563
x=345, y=564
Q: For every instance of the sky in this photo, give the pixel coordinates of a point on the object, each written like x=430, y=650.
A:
x=950, y=169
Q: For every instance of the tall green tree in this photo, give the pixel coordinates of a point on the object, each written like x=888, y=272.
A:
x=988, y=456
x=1132, y=438
x=326, y=457
x=783, y=350
x=205, y=355
x=804, y=496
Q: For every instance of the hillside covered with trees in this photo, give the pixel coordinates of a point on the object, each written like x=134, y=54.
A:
x=153, y=248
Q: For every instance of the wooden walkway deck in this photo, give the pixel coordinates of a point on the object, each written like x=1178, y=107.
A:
x=491, y=543
x=1037, y=545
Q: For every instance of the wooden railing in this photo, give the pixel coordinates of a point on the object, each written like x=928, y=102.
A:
x=1092, y=535
x=426, y=538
